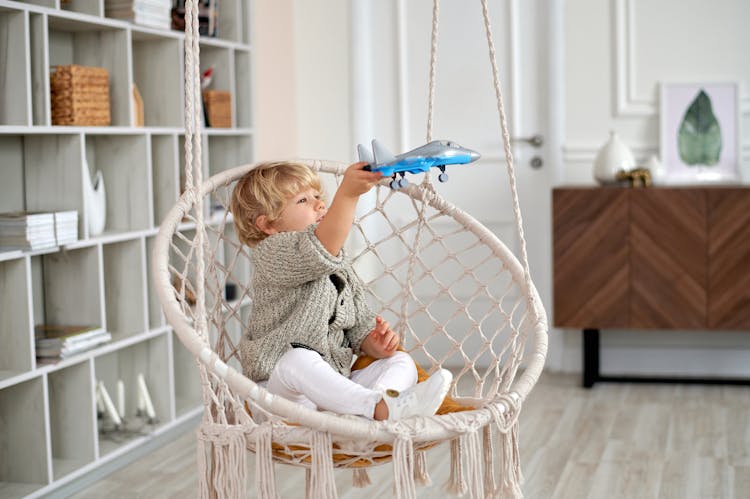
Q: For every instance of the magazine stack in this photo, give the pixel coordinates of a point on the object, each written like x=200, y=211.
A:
x=66, y=227
x=61, y=342
x=151, y=13
x=22, y=230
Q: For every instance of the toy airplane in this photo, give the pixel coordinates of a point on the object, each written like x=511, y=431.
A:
x=437, y=154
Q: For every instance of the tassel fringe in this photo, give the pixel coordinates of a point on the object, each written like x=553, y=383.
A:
x=421, y=475
x=489, y=461
x=360, y=478
x=456, y=485
x=512, y=479
x=225, y=474
x=322, y=482
x=265, y=482
x=473, y=465
x=403, y=468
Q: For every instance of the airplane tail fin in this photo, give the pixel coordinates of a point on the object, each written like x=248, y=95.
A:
x=382, y=155
x=364, y=154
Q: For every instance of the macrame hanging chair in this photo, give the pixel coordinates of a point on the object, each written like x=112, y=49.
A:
x=455, y=293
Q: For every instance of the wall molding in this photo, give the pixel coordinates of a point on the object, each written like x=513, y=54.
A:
x=577, y=152
x=628, y=103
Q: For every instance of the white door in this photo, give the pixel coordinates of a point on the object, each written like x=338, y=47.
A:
x=390, y=73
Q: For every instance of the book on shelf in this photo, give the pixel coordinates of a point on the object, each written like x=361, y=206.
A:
x=66, y=227
x=26, y=230
x=152, y=13
x=64, y=341
x=208, y=17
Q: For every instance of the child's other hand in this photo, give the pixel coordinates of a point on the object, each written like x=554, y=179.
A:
x=358, y=181
x=382, y=341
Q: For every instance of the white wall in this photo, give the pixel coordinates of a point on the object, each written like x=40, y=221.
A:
x=616, y=53
x=276, y=79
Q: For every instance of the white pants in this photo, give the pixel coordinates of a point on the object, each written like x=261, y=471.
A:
x=302, y=376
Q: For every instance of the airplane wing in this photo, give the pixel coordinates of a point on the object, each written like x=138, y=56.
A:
x=364, y=154
x=382, y=155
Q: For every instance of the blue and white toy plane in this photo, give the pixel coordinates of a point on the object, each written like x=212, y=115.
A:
x=437, y=154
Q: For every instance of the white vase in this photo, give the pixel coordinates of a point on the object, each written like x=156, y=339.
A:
x=658, y=173
x=95, y=202
x=613, y=156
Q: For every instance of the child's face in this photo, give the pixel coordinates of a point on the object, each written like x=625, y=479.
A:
x=301, y=210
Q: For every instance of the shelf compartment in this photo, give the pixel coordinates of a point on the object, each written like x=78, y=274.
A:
x=14, y=85
x=124, y=161
x=66, y=288
x=17, y=353
x=164, y=168
x=72, y=418
x=40, y=86
x=11, y=188
x=243, y=103
x=150, y=358
x=24, y=462
x=91, y=44
x=231, y=20
x=156, y=318
x=187, y=383
x=54, y=173
x=222, y=61
x=90, y=7
x=158, y=73
x=225, y=152
x=124, y=279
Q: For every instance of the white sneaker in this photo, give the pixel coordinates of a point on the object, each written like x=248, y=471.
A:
x=422, y=399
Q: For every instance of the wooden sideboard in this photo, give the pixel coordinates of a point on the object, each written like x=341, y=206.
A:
x=656, y=258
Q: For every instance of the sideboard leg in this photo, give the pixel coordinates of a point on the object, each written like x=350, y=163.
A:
x=590, y=357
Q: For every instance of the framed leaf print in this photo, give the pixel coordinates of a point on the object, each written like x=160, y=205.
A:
x=700, y=139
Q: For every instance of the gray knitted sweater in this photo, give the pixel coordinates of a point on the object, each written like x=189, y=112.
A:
x=303, y=297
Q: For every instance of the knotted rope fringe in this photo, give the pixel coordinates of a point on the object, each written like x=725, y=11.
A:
x=360, y=478
x=421, y=475
x=226, y=475
x=403, y=468
x=322, y=483
x=510, y=468
x=473, y=464
x=456, y=485
x=265, y=483
x=489, y=461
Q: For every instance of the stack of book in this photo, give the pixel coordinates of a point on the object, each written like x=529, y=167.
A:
x=66, y=227
x=27, y=231
x=61, y=342
x=151, y=13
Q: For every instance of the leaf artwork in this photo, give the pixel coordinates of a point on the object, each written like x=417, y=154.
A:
x=699, y=137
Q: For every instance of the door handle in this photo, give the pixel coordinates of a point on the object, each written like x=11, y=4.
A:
x=535, y=140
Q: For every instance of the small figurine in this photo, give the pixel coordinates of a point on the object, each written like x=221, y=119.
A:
x=637, y=177
x=435, y=154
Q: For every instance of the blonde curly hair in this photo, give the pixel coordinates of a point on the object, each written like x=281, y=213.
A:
x=264, y=190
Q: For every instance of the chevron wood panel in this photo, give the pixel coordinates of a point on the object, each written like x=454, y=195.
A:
x=729, y=258
x=590, y=239
x=668, y=264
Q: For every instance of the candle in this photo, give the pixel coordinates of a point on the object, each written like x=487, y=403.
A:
x=146, y=397
x=109, y=405
x=121, y=398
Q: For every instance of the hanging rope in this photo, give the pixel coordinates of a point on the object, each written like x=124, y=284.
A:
x=507, y=147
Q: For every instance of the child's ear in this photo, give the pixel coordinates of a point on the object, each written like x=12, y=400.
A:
x=262, y=223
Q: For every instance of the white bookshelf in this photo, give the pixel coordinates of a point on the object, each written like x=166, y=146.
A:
x=50, y=432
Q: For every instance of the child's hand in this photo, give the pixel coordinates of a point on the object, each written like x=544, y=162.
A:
x=382, y=341
x=358, y=181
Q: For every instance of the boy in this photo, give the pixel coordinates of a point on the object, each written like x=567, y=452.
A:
x=309, y=311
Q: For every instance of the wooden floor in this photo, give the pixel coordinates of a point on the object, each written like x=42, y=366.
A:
x=615, y=441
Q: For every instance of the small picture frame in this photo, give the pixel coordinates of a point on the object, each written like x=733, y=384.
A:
x=700, y=133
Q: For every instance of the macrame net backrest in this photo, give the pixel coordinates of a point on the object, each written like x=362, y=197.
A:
x=457, y=295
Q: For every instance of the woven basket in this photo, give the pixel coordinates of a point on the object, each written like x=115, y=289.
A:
x=80, y=96
x=218, y=105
